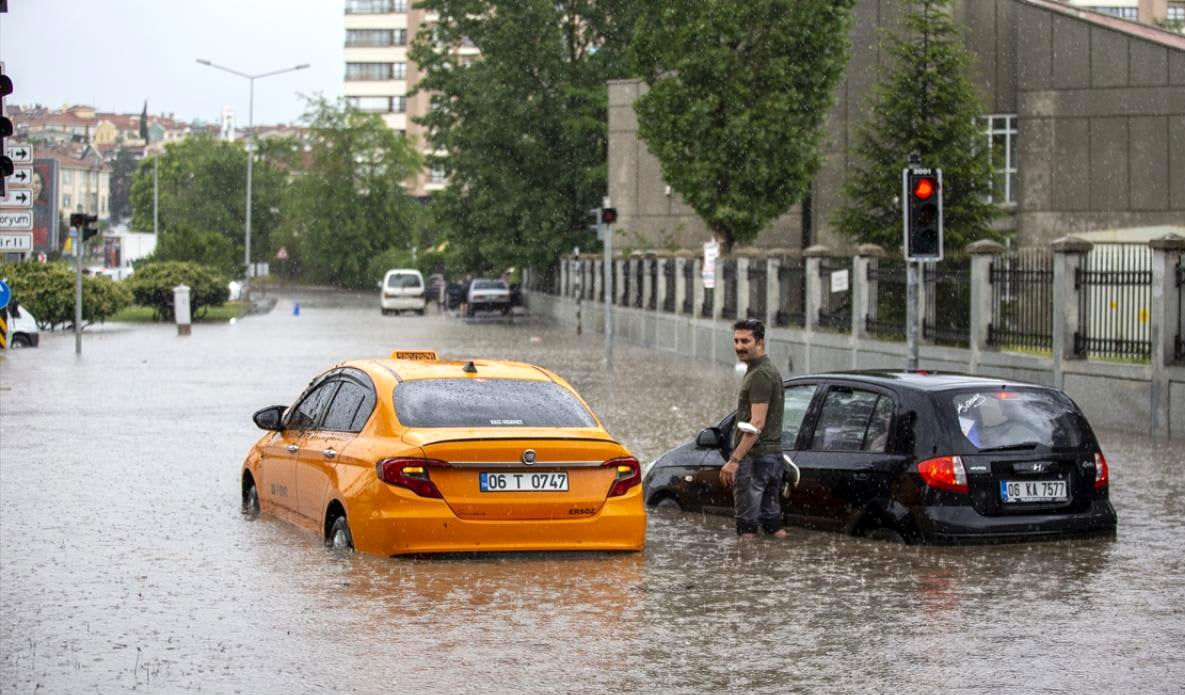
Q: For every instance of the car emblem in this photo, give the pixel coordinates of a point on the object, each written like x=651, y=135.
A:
x=528, y=457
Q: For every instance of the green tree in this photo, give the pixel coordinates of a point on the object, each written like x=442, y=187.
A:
x=351, y=204
x=153, y=282
x=202, y=191
x=524, y=126
x=738, y=91
x=924, y=102
x=123, y=166
x=47, y=289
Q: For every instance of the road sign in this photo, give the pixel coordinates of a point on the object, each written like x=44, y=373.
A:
x=16, y=219
x=20, y=154
x=17, y=198
x=5, y=294
x=22, y=177
x=282, y=253
x=16, y=242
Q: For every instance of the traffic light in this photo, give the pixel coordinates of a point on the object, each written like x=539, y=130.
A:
x=6, y=168
x=85, y=223
x=923, y=214
x=609, y=215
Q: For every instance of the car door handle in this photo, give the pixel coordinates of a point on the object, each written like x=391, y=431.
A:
x=292, y=448
x=329, y=453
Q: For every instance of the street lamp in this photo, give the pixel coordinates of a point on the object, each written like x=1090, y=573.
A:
x=250, y=151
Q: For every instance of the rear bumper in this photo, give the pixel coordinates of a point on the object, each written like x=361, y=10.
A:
x=433, y=528
x=945, y=525
x=403, y=303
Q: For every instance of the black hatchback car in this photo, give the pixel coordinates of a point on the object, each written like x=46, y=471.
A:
x=916, y=457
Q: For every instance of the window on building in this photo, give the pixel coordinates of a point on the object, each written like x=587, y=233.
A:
x=1176, y=14
x=370, y=104
x=67, y=176
x=373, y=6
x=369, y=37
x=1132, y=13
x=1000, y=132
x=399, y=37
x=400, y=71
x=66, y=200
x=399, y=104
x=436, y=174
x=368, y=71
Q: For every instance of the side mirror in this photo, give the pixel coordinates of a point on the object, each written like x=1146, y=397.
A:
x=709, y=438
x=270, y=418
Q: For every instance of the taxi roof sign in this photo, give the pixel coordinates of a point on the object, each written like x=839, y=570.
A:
x=426, y=355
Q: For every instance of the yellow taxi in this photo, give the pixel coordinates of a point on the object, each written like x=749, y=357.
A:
x=413, y=454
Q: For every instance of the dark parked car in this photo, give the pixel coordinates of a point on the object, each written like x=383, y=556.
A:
x=916, y=457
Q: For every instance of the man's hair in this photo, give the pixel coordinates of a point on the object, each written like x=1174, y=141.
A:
x=753, y=325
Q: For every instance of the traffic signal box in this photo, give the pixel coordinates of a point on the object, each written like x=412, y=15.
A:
x=85, y=224
x=923, y=214
x=6, y=167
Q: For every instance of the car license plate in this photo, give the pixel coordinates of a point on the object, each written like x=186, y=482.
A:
x=1033, y=491
x=524, y=482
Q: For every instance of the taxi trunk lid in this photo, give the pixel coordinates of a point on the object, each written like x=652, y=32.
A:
x=493, y=477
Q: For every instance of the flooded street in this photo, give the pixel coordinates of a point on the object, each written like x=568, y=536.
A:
x=125, y=563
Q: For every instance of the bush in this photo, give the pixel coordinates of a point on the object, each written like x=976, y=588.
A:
x=152, y=286
x=47, y=289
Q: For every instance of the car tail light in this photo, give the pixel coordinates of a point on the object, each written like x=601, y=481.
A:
x=410, y=473
x=1102, y=472
x=945, y=473
x=629, y=474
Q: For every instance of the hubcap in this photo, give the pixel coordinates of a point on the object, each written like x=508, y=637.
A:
x=340, y=540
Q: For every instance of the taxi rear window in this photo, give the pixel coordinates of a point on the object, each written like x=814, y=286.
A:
x=995, y=419
x=488, y=403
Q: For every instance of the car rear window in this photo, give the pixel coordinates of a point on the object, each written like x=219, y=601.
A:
x=489, y=285
x=1015, y=419
x=403, y=281
x=488, y=403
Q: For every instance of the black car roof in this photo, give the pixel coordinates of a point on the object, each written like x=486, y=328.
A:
x=920, y=380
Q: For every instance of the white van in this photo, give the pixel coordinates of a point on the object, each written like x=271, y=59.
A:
x=22, y=328
x=403, y=290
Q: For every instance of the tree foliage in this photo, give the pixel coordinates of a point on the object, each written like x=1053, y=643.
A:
x=202, y=202
x=924, y=102
x=122, y=168
x=738, y=91
x=152, y=285
x=524, y=126
x=350, y=205
x=47, y=289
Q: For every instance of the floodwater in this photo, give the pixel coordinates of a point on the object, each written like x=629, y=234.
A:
x=126, y=565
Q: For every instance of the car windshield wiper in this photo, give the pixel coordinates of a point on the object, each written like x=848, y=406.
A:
x=1012, y=447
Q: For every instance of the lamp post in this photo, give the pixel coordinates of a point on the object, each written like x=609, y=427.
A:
x=250, y=152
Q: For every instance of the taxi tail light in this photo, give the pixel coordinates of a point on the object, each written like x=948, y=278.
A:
x=1102, y=472
x=629, y=474
x=945, y=473
x=410, y=474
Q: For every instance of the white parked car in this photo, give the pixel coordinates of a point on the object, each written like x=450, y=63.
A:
x=488, y=295
x=22, y=328
x=403, y=290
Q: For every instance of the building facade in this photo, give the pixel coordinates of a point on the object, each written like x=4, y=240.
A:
x=1088, y=111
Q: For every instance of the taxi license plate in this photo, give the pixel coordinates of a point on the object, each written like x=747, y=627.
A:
x=524, y=482
x=1033, y=491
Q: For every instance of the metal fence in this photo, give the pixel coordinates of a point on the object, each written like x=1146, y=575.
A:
x=1022, y=300
x=886, y=284
x=668, y=273
x=1179, y=339
x=688, y=284
x=791, y=292
x=947, y=315
x=652, y=300
x=835, y=307
x=625, y=284
x=728, y=273
x=757, y=275
x=1114, y=286
x=639, y=282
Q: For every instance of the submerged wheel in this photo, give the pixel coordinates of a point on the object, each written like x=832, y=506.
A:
x=340, y=537
x=20, y=340
x=883, y=533
x=668, y=503
x=250, y=501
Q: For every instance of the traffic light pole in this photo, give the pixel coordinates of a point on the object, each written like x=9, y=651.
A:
x=76, y=233
x=606, y=233
x=911, y=314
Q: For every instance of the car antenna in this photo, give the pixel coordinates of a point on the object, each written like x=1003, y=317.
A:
x=469, y=368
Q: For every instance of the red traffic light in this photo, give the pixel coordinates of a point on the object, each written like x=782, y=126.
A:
x=609, y=215
x=924, y=187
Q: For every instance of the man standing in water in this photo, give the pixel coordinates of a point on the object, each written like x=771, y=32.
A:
x=755, y=468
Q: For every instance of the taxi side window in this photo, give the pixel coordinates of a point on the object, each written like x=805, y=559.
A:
x=853, y=420
x=308, y=412
x=794, y=406
x=350, y=409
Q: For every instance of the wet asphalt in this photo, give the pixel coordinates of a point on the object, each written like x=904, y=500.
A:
x=125, y=564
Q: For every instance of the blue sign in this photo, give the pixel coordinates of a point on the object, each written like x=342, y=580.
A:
x=5, y=294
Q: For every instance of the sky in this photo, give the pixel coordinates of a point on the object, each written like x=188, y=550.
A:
x=114, y=54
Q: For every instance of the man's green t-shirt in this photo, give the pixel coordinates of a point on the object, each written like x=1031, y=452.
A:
x=763, y=384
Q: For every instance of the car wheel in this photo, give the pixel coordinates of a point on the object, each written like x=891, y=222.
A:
x=668, y=503
x=20, y=340
x=882, y=533
x=251, y=501
x=340, y=537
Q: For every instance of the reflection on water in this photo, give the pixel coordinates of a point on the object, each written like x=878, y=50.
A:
x=124, y=563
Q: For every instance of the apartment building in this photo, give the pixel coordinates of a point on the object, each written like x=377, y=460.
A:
x=379, y=75
x=1165, y=12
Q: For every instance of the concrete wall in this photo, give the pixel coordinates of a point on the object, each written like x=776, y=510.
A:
x=1112, y=395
